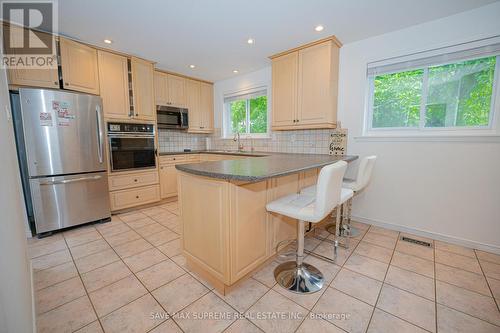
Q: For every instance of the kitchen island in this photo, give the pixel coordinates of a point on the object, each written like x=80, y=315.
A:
x=227, y=234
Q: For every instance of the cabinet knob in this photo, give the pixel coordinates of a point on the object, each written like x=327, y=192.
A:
x=137, y=197
x=137, y=115
x=174, y=158
x=56, y=83
x=135, y=180
x=67, y=83
x=161, y=168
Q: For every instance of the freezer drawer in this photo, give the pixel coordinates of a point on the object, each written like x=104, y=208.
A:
x=65, y=201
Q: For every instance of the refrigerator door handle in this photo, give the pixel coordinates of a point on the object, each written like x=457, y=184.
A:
x=67, y=181
x=100, y=134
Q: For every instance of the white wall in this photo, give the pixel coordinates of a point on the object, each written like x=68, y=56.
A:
x=439, y=188
x=16, y=313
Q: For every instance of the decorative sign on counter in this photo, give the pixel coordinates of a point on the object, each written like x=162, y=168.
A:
x=338, y=141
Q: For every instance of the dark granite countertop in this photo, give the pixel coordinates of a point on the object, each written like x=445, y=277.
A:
x=261, y=166
x=217, y=152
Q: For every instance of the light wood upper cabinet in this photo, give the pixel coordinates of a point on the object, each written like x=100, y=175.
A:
x=46, y=78
x=79, y=67
x=113, y=82
x=305, y=84
x=143, y=89
x=207, y=107
x=161, y=92
x=176, y=87
x=284, y=89
x=193, y=95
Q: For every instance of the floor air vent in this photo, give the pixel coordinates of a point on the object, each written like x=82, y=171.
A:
x=415, y=241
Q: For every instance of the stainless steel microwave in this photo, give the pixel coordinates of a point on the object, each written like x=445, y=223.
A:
x=171, y=117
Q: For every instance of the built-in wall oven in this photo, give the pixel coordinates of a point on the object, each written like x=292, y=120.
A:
x=131, y=146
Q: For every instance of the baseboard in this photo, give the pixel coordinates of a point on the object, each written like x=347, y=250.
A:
x=445, y=238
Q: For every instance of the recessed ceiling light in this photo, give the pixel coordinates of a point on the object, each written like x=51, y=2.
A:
x=192, y=66
x=235, y=71
x=319, y=28
x=250, y=41
x=108, y=41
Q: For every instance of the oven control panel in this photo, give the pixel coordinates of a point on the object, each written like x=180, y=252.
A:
x=130, y=128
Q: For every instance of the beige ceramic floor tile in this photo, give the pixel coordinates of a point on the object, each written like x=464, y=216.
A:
x=461, y=278
x=414, y=264
x=46, y=248
x=458, y=261
x=172, y=248
x=117, y=294
x=464, y=251
x=242, y=325
x=380, y=240
x=114, y=229
x=357, y=285
x=245, y=294
x=58, y=294
x=328, y=269
x=180, y=260
x=414, y=309
x=305, y=300
x=472, y=303
x=486, y=256
x=383, y=322
x=318, y=325
x=384, y=231
x=134, y=317
x=89, y=248
x=374, y=251
x=344, y=311
x=79, y=239
x=160, y=238
x=96, y=260
x=274, y=302
x=137, y=224
x=168, y=326
x=94, y=327
x=266, y=274
x=149, y=229
x=326, y=249
x=410, y=281
x=495, y=287
x=134, y=247
x=367, y=266
x=122, y=238
x=51, y=260
x=132, y=216
x=53, y=275
x=68, y=317
x=491, y=270
x=35, y=241
x=155, y=210
x=209, y=302
x=160, y=274
x=103, y=276
x=78, y=230
x=179, y=293
x=415, y=250
x=452, y=321
x=144, y=259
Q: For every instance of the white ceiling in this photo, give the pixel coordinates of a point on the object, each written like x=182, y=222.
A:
x=212, y=34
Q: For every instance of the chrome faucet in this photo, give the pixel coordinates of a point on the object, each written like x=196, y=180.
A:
x=237, y=139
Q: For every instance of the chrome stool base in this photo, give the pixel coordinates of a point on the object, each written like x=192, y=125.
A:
x=303, y=279
x=355, y=232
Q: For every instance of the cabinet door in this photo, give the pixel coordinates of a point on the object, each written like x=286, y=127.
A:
x=113, y=83
x=315, y=85
x=168, y=181
x=79, y=67
x=193, y=104
x=143, y=89
x=46, y=78
x=207, y=106
x=160, y=88
x=284, y=72
x=176, y=91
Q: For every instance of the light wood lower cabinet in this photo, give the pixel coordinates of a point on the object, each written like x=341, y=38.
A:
x=122, y=199
x=119, y=182
x=168, y=181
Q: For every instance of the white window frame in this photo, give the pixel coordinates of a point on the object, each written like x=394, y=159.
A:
x=493, y=128
x=226, y=114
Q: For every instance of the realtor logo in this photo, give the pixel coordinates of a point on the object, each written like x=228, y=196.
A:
x=27, y=34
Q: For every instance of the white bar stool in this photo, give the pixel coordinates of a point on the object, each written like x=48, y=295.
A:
x=362, y=179
x=297, y=276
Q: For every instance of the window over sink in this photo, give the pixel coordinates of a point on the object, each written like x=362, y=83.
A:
x=246, y=112
x=435, y=95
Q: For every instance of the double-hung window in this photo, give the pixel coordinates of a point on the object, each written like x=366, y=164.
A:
x=450, y=91
x=246, y=112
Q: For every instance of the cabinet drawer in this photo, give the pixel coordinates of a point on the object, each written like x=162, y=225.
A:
x=172, y=159
x=133, y=180
x=134, y=197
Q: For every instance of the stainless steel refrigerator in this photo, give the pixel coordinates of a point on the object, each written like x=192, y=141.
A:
x=60, y=141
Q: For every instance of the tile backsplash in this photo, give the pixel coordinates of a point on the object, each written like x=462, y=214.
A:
x=299, y=141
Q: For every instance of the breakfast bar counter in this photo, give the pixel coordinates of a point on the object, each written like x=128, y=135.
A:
x=227, y=234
